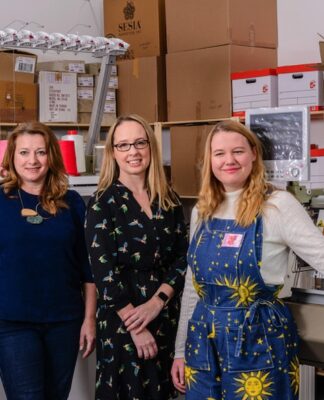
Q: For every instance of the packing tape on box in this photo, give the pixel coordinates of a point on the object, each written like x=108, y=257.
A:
x=136, y=68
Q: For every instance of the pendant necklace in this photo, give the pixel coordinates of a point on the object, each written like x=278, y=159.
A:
x=32, y=216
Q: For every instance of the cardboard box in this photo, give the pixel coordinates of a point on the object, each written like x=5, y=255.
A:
x=321, y=46
x=187, y=153
x=57, y=96
x=85, y=105
x=62, y=66
x=17, y=66
x=18, y=101
x=86, y=80
x=89, y=94
x=141, y=23
x=212, y=23
x=113, y=81
x=301, y=85
x=199, y=81
x=85, y=93
x=94, y=69
x=107, y=119
x=142, y=88
x=86, y=98
x=254, y=89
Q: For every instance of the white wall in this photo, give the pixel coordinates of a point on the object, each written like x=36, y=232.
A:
x=55, y=16
x=298, y=24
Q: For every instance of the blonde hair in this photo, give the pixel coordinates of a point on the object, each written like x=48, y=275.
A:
x=56, y=181
x=156, y=181
x=256, y=190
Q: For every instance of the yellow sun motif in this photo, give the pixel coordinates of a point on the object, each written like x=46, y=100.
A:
x=212, y=334
x=190, y=376
x=253, y=385
x=244, y=291
x=294, y=374
x=199, y=288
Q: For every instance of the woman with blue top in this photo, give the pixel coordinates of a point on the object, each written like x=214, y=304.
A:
x=236, y=339
x=47, y=294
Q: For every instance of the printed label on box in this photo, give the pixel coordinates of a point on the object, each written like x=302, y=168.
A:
x=111, y=95
x=85, y=81
x=113, y=82
x=110, y=107
x=58, y=97
x=77, y=67
x=85, y=93
x=25, y=64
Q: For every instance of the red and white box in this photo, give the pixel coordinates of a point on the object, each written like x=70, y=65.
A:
x=301, y=85
x=316, y=180
x=254, y=89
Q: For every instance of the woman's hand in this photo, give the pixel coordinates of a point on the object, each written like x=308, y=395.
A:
x=145, y=344
x=88, y=336
x=178, y=374
x=139, y=317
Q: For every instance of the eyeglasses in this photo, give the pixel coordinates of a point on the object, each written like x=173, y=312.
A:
x=139, y=145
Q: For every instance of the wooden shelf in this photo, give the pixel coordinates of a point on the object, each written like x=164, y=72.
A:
x=163, y=124
x=168, y=124
x=317, y=114
x=53, y=124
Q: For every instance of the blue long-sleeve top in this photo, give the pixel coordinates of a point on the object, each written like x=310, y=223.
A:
x=42, y=266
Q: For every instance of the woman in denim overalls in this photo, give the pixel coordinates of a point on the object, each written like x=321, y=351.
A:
x=241, y=341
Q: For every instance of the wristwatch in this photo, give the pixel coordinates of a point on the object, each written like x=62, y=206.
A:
x=164, y=297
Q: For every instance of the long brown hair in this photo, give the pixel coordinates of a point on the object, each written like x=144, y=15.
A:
x=156, y=181
x=256, y=189
x=56, y=182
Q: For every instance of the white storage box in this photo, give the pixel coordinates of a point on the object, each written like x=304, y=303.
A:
x=57, y=96
x=317, y=168
x=300, y=85
x=254, y=89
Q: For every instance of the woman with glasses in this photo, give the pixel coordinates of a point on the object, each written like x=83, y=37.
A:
x=137, y=243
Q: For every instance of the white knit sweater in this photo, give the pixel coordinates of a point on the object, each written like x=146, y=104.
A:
x=286, y=225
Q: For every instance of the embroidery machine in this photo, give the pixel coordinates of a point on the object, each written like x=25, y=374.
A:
x=285, y=134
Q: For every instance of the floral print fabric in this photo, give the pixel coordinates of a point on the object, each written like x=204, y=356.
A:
x=131, y=255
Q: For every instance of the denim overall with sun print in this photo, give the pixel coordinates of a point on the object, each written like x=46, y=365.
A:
x=241, y=341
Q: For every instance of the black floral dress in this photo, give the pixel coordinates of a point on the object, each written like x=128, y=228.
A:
x=131, y=255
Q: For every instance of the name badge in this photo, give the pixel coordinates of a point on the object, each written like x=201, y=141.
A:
x=232, y=240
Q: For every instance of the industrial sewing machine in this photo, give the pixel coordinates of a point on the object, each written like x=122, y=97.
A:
x=284, y=133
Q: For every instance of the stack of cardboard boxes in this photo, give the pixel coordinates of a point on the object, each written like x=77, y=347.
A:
x=87, y=84
x=141, y=23
x=18, y=92
x=67, y=90
x=206, y=43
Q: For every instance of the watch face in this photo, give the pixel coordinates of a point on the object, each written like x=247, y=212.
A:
x=163, y=296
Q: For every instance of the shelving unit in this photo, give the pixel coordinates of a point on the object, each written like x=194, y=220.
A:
x=157, y=126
